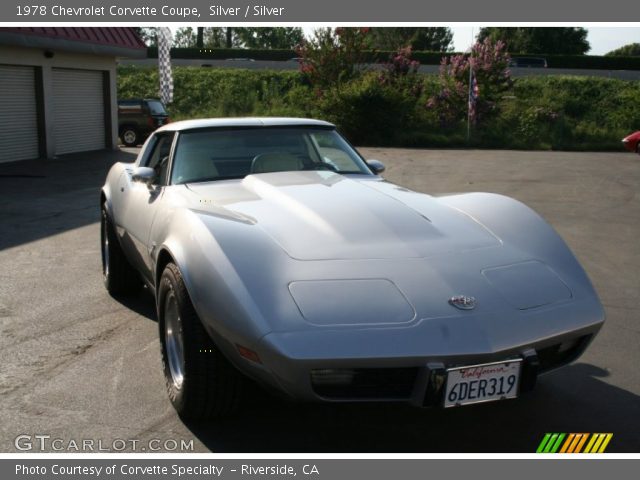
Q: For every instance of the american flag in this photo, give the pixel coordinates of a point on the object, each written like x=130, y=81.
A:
x=164, y=65
x=474, y=93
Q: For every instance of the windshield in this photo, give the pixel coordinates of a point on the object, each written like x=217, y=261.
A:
x=205, y=155
x=156, y=107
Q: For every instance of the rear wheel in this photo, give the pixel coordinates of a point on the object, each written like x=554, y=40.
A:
x=200, y=381
x=118, y=275
x=130, y=136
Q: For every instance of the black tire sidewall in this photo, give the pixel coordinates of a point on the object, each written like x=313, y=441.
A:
x=122, y=278
x=107, y=229
x=103, y=232
x=168, y=283
x=211, y=386
x=134, y=131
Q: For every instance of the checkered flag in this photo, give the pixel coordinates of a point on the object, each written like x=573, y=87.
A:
x=164, y=65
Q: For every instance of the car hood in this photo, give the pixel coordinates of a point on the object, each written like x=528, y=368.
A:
x=326, y=216
x=633, y=136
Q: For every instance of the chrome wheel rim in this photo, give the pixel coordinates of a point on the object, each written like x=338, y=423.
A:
x=173, y=340
x=105, y=248
x=129, y=136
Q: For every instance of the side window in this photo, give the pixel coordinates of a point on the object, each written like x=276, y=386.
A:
x=158, y=158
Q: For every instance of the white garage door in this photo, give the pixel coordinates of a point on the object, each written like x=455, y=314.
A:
x=78, y=110
x=18, y=114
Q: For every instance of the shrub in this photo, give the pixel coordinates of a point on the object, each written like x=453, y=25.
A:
x=489, y=63
x=372, y=112
x=401, y=73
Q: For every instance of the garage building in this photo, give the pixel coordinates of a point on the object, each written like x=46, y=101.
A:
x=58, y=89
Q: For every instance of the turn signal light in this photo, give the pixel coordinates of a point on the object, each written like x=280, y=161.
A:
x=248, y=354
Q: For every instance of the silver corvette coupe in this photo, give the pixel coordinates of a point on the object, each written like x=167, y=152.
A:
x=276, y=252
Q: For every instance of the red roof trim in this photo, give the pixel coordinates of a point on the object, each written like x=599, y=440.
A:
x=124, y=37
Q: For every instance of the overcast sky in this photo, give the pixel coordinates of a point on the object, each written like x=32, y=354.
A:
x=602, y=39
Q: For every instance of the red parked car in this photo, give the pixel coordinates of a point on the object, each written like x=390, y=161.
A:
x=632, y=142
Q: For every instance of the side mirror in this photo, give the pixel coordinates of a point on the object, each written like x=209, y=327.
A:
x=143, y=175
x=376, y=165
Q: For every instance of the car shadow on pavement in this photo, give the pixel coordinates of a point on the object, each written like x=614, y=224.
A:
x=142, y=303
x=40, y=198
x=576, y=398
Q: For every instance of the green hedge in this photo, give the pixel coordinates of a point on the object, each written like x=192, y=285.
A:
x=426, y=58
x=590, y=62
x=224, y=53
x=542, y=112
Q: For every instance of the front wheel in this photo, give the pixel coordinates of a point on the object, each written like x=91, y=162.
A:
x=200, y=381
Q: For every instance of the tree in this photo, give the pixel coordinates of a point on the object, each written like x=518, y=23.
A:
x=630, y=50
x=215, y=37
x=539, y=40
x=332, y=57
x=185, y=37
x=212, y=37
x=200, y=37
x=148, y=35
x=229, y=35
x=270, y=37
x=436, y=39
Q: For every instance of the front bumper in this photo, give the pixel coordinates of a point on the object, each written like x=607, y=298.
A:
x=409, y=364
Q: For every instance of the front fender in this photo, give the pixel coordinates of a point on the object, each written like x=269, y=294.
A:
x=519, y=226
x=219, y=296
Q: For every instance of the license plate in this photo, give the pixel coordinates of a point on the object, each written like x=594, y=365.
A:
x=482, y=383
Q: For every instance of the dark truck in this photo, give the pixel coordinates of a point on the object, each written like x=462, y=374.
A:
x=138, y=117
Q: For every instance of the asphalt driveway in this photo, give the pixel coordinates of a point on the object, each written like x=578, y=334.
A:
x=77, y=364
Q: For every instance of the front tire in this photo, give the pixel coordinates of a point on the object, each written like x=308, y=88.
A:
x=119, y=277
x=200, y=381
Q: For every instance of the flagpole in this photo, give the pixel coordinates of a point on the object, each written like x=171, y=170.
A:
x=469, y=92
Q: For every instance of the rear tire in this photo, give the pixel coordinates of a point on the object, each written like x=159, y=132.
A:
x=119, y=277
x=130, y=136
x=200, y=381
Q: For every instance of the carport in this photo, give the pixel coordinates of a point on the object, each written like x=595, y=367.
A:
x=58, y=91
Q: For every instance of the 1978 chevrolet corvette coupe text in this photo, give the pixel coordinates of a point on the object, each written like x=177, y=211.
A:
x=276, y=252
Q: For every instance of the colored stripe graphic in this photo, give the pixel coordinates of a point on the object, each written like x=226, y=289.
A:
x=543, y=443
x=568, y=442
x=581, y=442
x=555, y=447
x=551, y=443
x=574, y=443
x=590, y=444
x=606, y=441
